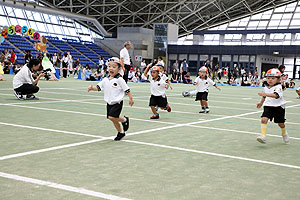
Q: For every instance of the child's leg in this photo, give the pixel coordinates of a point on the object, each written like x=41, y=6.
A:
x=153, y=110
x=282, y=126
x=204, y=103
x=264, y=122
x=116, y=123
x=298, y=92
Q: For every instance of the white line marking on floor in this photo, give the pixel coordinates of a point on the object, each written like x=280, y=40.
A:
x=215, y=154
x=61, y=186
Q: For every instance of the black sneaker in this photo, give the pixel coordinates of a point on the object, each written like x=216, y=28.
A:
x=203, y=110
x=18, y=95
x=125, y=124
x=119, y=136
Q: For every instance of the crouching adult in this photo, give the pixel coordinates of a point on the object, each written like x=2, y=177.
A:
x=24, y=83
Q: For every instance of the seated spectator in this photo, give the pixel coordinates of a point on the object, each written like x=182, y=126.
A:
x=1, y=72
x=88, y=74
x=131, y=74
x=138, y=75
x=98, y=73
x=23, y=82
x=245, y=80
x=255, y=80
x=292, y=83
x=174, y=76
x=187, y=78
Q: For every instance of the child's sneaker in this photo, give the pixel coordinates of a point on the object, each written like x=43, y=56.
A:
x=125, y=124
x=203, y=110
x=168, y=108
x=207, y=110
x=119, y=136
x=32, y=97
x=155, y=116
x=18, y=95
x=262, y=139
x=298, y=97
x=286, y=138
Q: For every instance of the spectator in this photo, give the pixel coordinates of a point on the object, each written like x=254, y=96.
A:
x=255, y=80
x=292, y=83
x=101, y=62
x=143, y=66
x=138, y=74
x=65, y=65
x=23, y=82
x=131, y=74
x=187, y=78
x=70, y=62
x=161, y=61
x=98, y=73
x=245, y=80
x=13, y=57
x=174, y=76
x=28, y=56
x=208, y=66
x=89, y=74
x=184, y=69
x=125, y=58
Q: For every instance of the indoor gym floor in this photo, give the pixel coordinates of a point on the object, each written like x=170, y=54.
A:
x=61, y=146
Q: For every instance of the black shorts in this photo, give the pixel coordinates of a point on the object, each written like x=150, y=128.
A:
x=201, y=96
x=114, y=110
x=278, y=113
x=158, y=101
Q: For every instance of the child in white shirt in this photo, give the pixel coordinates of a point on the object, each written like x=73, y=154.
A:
x=115, y=89
x=202, y=83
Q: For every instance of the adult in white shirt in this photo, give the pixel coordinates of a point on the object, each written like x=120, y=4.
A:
x=125, y=58
x=160, y=62
x=70, y=62
x=23, y=82
x=143, y=66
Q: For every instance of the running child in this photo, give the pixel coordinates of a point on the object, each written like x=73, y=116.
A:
x=298, y=92
x=158, y=90
x=202, y=83
x=115, y=88
x=274, y=105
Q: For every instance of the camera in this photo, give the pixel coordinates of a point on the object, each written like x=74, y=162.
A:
x=45, y=71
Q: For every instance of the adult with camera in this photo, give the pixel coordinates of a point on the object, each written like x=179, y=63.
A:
x=24, y=83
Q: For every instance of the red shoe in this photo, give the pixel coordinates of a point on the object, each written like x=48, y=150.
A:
x=154, y=117
x=168, y=109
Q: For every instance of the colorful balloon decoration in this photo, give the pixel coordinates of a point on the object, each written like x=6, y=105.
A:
x=40, y=43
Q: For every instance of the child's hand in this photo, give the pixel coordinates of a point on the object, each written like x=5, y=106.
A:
x=195, y=83
x=219, y=89
x=262, y=94
x=259, y=105
x=131, y=102
x=166, y=86
x=171, y=87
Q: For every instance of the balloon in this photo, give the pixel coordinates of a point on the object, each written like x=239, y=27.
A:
x=1, y=39
x=36, y=36
x=18, y=29
x=11, y=30
x=4, y=33
x=24, y=29
x=30, y=32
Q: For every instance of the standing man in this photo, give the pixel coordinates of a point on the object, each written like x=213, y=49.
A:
x=125, y=58
x=184, y=69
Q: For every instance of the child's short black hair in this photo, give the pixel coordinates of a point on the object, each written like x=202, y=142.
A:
x=33, y=62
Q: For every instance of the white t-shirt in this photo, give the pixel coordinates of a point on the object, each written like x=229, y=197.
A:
x=114, y=89
x=125, y=55
x=157, y=87
x=203, y=85
x=131, y=75
x=164, y=77
x=161, y=63
x=274, y=102
x=22, y=77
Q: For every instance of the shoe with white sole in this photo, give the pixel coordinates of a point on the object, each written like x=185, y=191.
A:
x=286, y=138
x=262, y=139
x=18, y=95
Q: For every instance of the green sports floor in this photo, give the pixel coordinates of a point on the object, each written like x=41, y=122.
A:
x=61, y=147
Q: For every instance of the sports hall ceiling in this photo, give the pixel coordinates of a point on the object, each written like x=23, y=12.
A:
x=189, y=15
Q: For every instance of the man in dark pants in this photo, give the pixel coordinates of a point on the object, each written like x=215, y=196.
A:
x=23, y=82
x=125, y=58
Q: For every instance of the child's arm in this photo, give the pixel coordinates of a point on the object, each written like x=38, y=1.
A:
x=92, y=88
x=261, y=102
x=147, y=70
x=217, y=87
x=130, y=98
x=169, y=84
